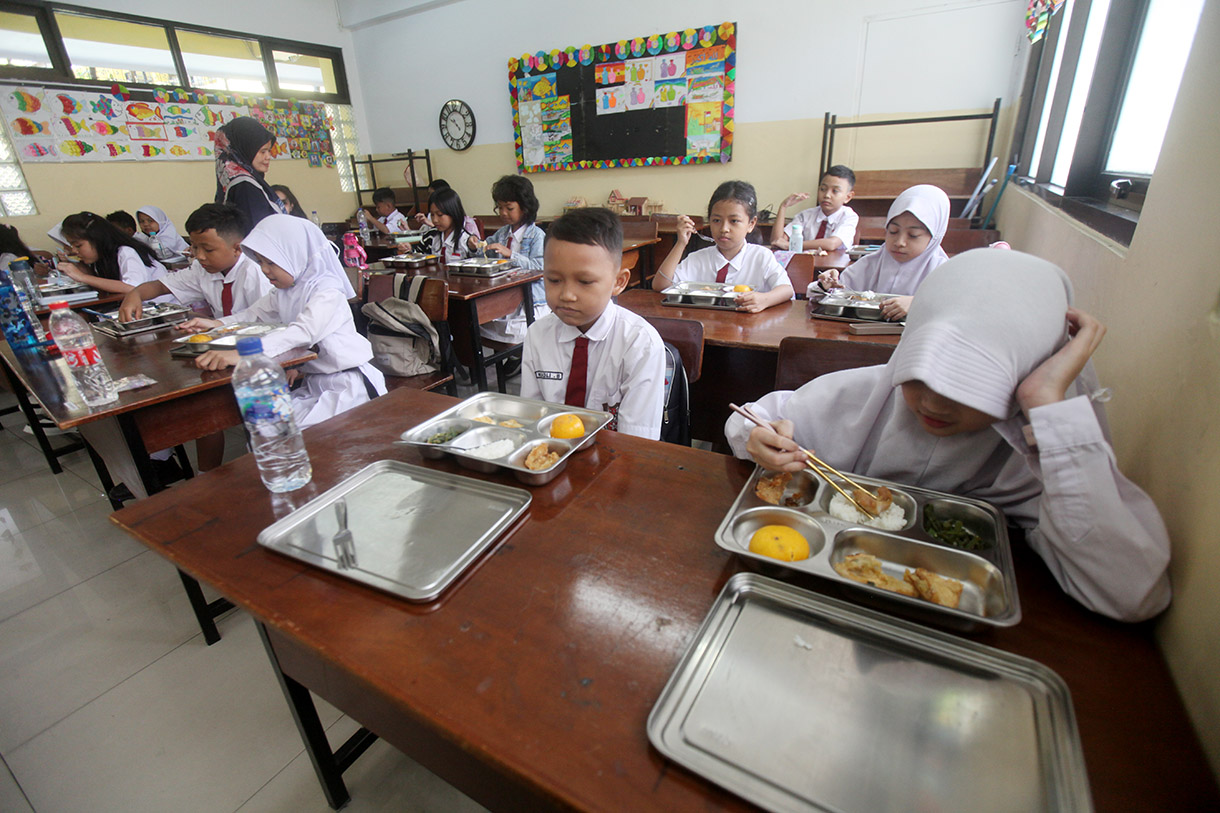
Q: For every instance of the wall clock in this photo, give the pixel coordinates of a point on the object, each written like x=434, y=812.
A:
x=457, y=124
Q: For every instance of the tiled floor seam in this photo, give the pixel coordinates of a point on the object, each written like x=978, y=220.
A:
x=17, y=781
x=70, y=587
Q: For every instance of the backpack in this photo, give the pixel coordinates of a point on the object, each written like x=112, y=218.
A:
x=405, y=342
x=675, y=418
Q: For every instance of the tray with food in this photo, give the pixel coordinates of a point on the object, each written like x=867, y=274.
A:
x=858, y=251
x=480, y=267
x=411, y=260
x=156, y=316
x=218, y=338
x=409, y=530
x=801, y=702
x=716, y=295
x=491, y=431
x=935, y=557
x=850, y=306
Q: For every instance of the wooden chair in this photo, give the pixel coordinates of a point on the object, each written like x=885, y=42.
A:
x=639, y=266
x=801, y=271
x=804, y=358
x=958, y=240
x=687, y=336
x=434, y=300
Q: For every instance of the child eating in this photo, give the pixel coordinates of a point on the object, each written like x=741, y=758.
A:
x=519, y=241
x=389, y=220
x=109, y=260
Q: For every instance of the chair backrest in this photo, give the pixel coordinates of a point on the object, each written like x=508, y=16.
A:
x=801, y=272
x=804, y=358
x=687, y=336
x=433, y=297
x=640, y=229
x=958, y=240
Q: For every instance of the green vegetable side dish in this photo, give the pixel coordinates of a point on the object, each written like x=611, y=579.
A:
x=443, y=437
x=952, y=531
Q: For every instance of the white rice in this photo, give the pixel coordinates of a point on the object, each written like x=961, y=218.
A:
x=891, y=519
x=494, y=450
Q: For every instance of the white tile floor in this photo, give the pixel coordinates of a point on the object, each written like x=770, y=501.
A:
x=109, y=699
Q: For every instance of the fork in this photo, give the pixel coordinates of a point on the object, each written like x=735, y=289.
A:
x=345, y=547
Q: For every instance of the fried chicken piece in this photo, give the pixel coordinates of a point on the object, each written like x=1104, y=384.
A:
x=540, y=457
x=866, y=569
x=771, y=489
x=485, y=419
x=934, y=588
x=512, y=423
x=884, y=499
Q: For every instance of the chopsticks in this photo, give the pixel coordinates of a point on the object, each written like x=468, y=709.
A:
x=816, y=465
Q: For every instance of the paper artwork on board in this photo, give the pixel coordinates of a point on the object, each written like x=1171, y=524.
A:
x=639, y=95
x=610, y=73
x=558, y=151
x=611, y=100
x=705, y=61
x=529, y=113
x=638, y=71
x=703, y=129
x=537, y=87
x=669, y=93
x=669, y=66
x=704, y=89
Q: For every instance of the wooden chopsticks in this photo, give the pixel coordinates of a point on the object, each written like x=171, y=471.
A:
x=816, y=465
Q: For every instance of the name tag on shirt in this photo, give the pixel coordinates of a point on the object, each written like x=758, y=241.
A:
x=548, y=375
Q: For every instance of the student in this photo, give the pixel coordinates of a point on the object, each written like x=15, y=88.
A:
x=989, y=394
x=829, y=226
x=520, y=242
x=243, y=156
x=389, y=220
x=310, y=298
x=110, y=261
x=291, y=205
x=124, y=222
x=623, y=367
x=914, y=228
x=424, y=220
x=158, y=230
x=12, y=247
x=448, y=238
x=732, y=214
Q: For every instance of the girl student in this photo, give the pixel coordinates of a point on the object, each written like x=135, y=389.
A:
x=990, y=394
x=109, y=260
x=732, y=214
x=449, y=238
x=915, y=225
x=243, y=156
x=292, y=206
x=310, y=297
x=154, y=223
x=519, y=241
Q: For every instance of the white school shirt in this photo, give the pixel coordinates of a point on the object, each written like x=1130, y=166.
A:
x=626, y=368
x=396, y=221
x=754, y=265
x=444, y=245
x=134, y=272
x=332, y=384
x=841, y=224
x=193, y=284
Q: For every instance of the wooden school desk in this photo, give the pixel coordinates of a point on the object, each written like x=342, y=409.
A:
x=529, y=683
x=102, y=302
x=740, y=352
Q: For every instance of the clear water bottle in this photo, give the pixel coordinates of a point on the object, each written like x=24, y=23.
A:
x=796, y=238
x=23, y=282
x=363, y=219
x=313, y=217
x=266, y=408
x=155, y=244
x=75, y=341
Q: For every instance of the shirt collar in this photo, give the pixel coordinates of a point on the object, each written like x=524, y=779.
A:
x=734, y=263
x=599, y=330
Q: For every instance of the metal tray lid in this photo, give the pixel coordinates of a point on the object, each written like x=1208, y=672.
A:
x=797, y=701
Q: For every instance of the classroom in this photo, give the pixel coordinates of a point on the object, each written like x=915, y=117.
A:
x=548, y=669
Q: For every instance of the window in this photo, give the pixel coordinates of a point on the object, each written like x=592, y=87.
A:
x=24, y=45
x=15, y=198
x=343, y=141
x=301, y=72
x=231, y=64
x=117, y=50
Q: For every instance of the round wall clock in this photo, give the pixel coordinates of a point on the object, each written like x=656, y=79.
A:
x=457, y=124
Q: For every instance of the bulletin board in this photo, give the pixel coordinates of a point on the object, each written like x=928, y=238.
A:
x=69, y=125
x=663, y=99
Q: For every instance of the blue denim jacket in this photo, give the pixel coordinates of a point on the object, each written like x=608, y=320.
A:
x=527, y=253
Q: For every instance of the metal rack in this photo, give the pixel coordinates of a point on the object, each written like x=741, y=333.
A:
x=410, y=157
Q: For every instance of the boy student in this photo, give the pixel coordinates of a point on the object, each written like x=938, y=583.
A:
x=588, y=351
x=389, y=220
x=829, y=226
x=123, y=221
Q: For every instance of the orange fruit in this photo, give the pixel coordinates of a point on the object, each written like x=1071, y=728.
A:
x=779, y=542
x=741, y=289
x=567, y=426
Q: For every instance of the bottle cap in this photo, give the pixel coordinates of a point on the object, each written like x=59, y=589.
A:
x=249, y=345
x=57, y=304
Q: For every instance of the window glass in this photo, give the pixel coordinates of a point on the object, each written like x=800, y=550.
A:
x=301, y=72
x=117, y=50
x=15, y=198
x=1064, y=24
x=223, y=63
x=1085, y=66
x=23, y=45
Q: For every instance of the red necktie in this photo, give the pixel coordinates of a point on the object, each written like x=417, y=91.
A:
x=722, y=273
x=226, y=298
x=577, y=375
x=510, y=243
x=822, y=230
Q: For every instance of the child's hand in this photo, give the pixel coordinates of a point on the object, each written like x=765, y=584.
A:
x=420, y=217
x=197, y=325
x=72, y=268
x=217, y=359
x=774, y=448
x=131, y=309
x=782, y=242
x=503, y=251
x=895, y=309
x=686, y=227
x=794, y=198
x=749, y=302
x=1049, y=382
x=829, y=279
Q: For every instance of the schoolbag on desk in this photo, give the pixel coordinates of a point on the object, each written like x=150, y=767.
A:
x=404, y=340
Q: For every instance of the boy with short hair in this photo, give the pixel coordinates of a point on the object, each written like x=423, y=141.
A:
x=124, y=222
x=389, y=220
x=588, y=351
x=829, y=226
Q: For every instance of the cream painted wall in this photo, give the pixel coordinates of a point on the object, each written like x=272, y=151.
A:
x=1161, y=302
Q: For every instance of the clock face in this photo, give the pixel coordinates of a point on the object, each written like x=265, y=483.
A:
x=457, y=124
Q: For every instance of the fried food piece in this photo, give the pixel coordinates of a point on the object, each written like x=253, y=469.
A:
x=934, y=588
x=485, y=419
x=512, y=423
x=771, y=489
x=540, y=457
x=885, y=498
x=866, y=569
x=199, y=338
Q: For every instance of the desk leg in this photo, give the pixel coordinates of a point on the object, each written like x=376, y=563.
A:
x=328, y=765
x=31, y=416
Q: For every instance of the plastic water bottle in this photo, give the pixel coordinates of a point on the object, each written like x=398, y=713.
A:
x=313, y=217
x=23, y=282
x=266, y=408
x=363, y=218
x=157, y=249
x=16, y=322
x=75, y=341
x=796, y=238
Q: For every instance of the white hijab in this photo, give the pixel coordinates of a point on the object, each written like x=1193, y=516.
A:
x=167, y=235
x=880, y=272
x=300, y=248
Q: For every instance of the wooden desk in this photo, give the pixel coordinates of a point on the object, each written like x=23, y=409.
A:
x=529, y=683
x=101, y=302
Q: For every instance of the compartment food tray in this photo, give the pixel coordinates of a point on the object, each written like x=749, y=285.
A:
x=412, y=260
x=480, y=267
x=221, y=338
x=156, y=316
x=714, y=295
x=849, y=306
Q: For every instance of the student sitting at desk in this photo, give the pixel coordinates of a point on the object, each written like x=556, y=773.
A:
x=310, y=298
x=589, y=352
x=424, y=219
x=124, y=222
x=732, y=214
x=108, y=259
x=519, y=241
x=829, y=226
x=914, y=227
x=389, y=220
x=446, y=216
x=157, y=230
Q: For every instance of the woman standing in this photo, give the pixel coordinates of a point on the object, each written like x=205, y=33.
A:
x=243, y=156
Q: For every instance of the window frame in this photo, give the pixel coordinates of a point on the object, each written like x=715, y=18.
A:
x=61, y=71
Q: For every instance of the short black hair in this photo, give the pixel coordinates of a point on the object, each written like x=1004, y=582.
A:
x=841, y=171
x=438, y=184
x=739, y=191
x=107, y=240
x=384, y=193
x=594, y=226
x=123, y=220
x=227, y=220
x=518, y=190
x=297, y=211
x=11, y=242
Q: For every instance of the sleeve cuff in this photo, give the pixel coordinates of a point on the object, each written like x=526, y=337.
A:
x=1065, y=425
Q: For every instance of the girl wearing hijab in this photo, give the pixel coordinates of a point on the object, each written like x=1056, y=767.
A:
x=914, y=227
x=243, y=156
x=990, y=394
x=109, y=260
x=154, y=222
x=310, y=298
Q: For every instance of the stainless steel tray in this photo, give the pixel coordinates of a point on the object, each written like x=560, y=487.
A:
x=220, y=338
x=850, y=306
x=156, y=315
x=861, y=250
x=412, y=260
x=535, y=418
x=989, y=594
x=797, y=701
x=414, y=530
x=480, y=267
x=714, y=295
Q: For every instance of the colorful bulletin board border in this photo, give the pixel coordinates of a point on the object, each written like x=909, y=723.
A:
x=695, y=69
x=69, y=125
